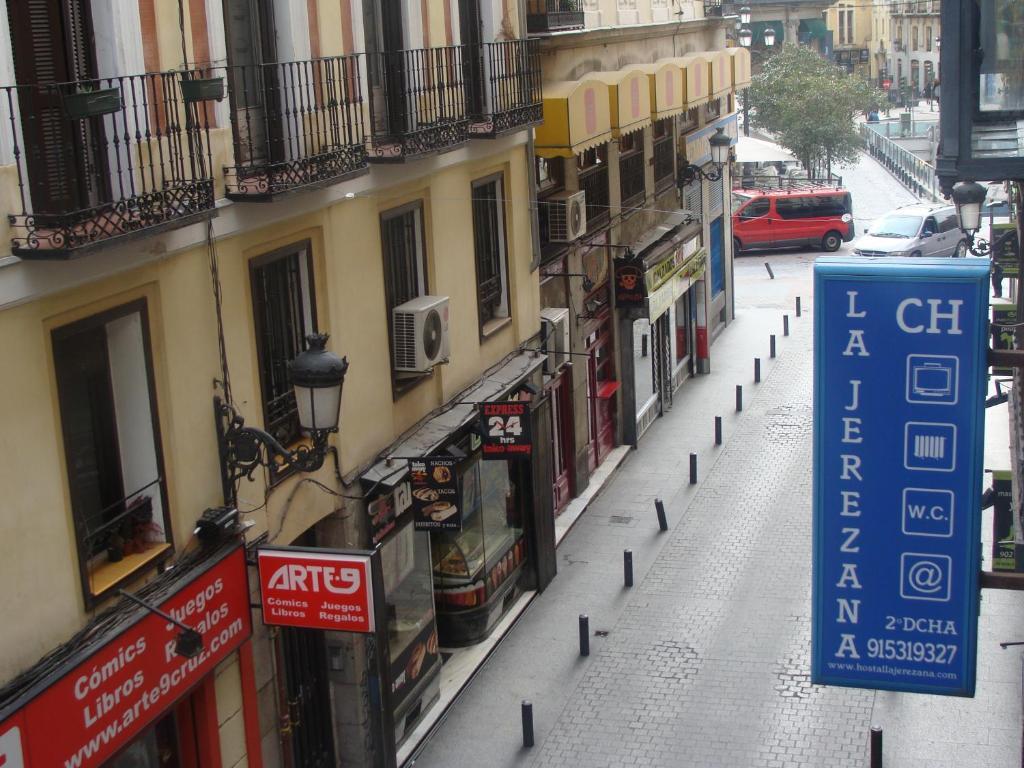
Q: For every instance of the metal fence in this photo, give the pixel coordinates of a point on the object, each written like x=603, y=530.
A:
x=916, y=174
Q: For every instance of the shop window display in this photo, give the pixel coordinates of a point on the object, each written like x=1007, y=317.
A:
x=476, y=569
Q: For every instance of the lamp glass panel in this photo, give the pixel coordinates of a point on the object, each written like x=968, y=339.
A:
x=318, y=406
x=1001, y=66
x=970, y=216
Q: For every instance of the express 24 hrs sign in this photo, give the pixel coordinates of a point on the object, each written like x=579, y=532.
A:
x=505, y=426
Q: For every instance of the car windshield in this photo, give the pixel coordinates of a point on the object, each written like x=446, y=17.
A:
x=738, y=200
x=896, y=226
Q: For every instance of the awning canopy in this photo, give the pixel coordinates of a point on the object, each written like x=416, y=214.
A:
x=698, y=83
x=668, y=88
x=811, y=28
x=758, y=28
x=720, y=72
x=739, y=59
x=576, y=117
x=629, y=99
x=751, y=150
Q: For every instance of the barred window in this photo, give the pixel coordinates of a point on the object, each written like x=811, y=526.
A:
x=489, y=246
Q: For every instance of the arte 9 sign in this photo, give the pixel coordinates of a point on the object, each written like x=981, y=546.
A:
x=316, y=589
x=99, y=706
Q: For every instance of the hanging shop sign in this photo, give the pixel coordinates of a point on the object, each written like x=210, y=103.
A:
x=506, y=430
x=316, y=588
x=435, y=494
x=90, y=712
x=630, y=288
x=384, y=511
x=899, y=388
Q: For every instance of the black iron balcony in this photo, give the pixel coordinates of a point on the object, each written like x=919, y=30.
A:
x=418, y=102
x=553, y=15
x=100, y=160
x=505, y=87
x=296, y=125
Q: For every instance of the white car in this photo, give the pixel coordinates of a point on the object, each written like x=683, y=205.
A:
x=914, y=230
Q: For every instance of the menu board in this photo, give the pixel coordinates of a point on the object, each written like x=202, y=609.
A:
x=435, y=494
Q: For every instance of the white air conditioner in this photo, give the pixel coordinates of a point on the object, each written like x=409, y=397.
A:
x=555, y=332
x=420, y=333
x=567, y=216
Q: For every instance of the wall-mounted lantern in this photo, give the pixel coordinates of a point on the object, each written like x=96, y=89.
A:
x=720, y=144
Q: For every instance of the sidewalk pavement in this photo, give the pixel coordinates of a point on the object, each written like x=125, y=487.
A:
x=705, y=662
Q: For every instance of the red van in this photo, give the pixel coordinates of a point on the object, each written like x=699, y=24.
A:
x=778, y=218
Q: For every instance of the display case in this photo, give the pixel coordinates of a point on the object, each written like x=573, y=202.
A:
x=412, y=636
x=476, y=569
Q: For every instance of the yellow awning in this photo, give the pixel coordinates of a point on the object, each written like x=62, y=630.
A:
x=740, y=67
x=629, y=97
x=698, y=84
x=668, y=88
x=721, y=73
x=576, y=117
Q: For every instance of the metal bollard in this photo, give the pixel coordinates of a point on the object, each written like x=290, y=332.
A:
x=876, y=746
x=627, y=567
x=693, y=469
x=771, y=345
x=584, y=635
x=785, y=325
x=757, y=370
x=769, y=268
x=798, y=306
x=659, y=506
x=718, y=430
x=739, y=397
x=527, y=708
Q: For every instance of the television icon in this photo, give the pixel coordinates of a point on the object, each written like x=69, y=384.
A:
x=932, y=379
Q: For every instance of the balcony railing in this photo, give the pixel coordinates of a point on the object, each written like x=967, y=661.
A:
x=418, y=101
x=102, y=159
x=631, y=179
x=595, y=183
x=505, y=86
x=295, y=125
x=553, y=15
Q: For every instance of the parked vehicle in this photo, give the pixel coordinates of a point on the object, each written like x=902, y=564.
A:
x=802, y=214
x=920, y=229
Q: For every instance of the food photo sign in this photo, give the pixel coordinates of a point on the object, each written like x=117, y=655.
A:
x=435, y=494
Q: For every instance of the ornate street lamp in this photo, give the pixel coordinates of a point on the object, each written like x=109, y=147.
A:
x=769, y=37
x=317, y=377
x=720, y=144
x=745, y=16
x=746, y=37
x=968, y=197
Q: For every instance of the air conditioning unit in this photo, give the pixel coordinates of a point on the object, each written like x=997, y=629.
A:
x=567, y=216
x=420, y=333
x=555, y=332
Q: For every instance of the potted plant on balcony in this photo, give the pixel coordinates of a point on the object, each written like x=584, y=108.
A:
x=90, y=101
x=194, y=88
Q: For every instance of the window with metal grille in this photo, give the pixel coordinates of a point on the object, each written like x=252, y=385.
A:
x=405, y=271
x=104, y=372
x=489, y=246
x=592, y=178
x=631, y=170
x=664, y=168
x=284, y=309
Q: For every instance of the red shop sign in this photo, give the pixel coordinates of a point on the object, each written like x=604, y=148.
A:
x=316, y=589
x=91, y=712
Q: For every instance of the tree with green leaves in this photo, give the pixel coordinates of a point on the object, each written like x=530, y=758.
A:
x=808, y=104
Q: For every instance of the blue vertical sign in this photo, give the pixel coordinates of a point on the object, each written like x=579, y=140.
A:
x=899, y=383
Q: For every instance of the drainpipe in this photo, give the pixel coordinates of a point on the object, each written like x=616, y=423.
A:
x=531, y=168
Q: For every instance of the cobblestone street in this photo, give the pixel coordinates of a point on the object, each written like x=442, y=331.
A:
x=705, y=662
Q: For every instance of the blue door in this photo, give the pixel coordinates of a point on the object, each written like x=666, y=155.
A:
x=717, y=258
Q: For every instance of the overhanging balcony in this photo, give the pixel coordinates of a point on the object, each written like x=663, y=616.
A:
x=553, y=15
x=505, y=87
x=295, y=125
x=418, y=102
x=101, y=160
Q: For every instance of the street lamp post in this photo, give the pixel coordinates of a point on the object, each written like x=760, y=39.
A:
x=746, y=37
